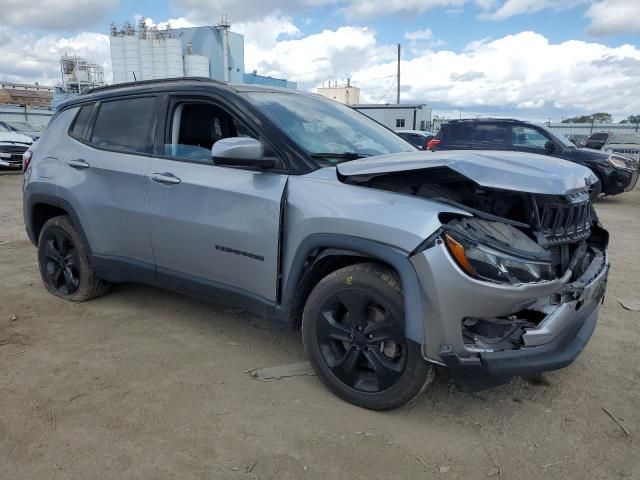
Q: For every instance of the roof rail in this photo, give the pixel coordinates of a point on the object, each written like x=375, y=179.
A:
x=156, y=81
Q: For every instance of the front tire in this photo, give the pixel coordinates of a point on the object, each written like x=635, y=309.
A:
x=353, y=333
x=63, y=262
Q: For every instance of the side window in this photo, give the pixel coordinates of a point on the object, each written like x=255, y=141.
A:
x=399, y=122
x=80, y=122
x=126, y=125
x=528, y=137
x=491, y=135
x=195, y=127
x=457, y=132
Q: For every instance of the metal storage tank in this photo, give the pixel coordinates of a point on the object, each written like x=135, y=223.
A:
x=132, y=58
x=196, y=65
x=117, y=59
x=175, y=65
x=146, y=58
x=159, y=58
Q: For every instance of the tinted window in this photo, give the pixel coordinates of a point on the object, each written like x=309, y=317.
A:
x=195, y=127
x=528, y=137
x=126, y=125
x=599, y=136
x=468, y=133
x=80, y=122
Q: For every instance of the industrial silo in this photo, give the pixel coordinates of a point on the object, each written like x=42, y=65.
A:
x=132, y=58
x=117, y=58
x=175, y=65
x=159, y=58
x=146, y=58
x=195, y=65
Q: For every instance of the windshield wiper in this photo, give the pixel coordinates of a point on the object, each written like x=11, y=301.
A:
x=343, y=155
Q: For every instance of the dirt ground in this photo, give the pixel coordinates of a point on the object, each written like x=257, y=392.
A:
x=147, y=384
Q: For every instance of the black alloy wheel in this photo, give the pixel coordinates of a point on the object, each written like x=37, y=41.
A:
x=61, y=262
x=353, y=333
x=361, y=341
x=64, y=264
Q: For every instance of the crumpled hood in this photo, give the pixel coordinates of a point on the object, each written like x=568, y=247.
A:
x=15, y=137
x=504, y=170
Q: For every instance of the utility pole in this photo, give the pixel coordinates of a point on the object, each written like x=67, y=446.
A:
x=398, y=96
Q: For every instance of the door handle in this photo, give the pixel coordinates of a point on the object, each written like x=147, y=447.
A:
x=166, y=178
x=79, y=163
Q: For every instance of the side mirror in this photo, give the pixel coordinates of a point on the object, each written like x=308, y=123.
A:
x=241, y=152
x=550, y=146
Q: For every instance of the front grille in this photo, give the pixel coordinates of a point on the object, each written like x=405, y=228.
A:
x=17, y=149
x=561, y=222
x=632, y=152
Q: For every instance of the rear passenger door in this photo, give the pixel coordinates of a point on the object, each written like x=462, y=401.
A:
x=110, y=143
x=212, y=226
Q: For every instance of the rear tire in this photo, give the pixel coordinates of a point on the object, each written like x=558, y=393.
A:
x=63, y=262
x=353, y=333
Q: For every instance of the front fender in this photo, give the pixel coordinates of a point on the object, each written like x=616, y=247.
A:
x=371, y=249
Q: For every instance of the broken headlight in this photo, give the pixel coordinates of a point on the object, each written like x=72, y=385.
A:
x=486, y=263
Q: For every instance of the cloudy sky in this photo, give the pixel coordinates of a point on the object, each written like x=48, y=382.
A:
x=528, y=58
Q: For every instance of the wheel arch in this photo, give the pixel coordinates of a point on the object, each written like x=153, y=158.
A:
x=320, y=254
x=41, y=208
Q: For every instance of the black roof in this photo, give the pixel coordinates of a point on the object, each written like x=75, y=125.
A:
x=164, y=84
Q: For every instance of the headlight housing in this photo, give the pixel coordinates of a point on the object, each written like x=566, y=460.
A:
x=618, y=162
x=486, y=263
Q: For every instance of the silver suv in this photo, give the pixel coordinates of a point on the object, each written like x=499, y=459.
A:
x=395, y=263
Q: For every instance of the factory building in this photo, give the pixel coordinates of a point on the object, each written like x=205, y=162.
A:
x=402, y=116
x=347, y=94
x=146, y=53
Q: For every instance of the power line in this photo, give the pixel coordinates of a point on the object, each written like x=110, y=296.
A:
x=387, y=92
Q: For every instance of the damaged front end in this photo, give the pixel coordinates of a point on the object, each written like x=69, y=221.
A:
x=511, y=288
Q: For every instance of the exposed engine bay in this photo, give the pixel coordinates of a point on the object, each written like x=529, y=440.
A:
x=548, y=228
x=512, y=238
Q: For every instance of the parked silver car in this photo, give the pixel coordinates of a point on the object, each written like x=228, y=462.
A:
x=395, y=262
x=624, y=143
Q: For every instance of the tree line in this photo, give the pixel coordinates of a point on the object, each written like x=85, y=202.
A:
x=601, y=117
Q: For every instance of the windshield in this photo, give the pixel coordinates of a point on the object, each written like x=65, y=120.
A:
x=560, y=138
x=327, y=129
x=24, y=127
x=4, y=129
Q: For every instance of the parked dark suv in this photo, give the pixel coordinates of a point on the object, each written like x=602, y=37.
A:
x=616, y=173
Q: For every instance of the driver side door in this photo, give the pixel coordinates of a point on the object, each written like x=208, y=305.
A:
x=212, y=227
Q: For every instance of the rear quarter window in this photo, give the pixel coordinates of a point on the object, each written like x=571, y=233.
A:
x=80, y=121
x=126, y=125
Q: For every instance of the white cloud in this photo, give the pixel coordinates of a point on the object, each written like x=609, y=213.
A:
x=69, y=15
x=575, y=76
x=29, y=58
x=511, y=8
x=425, y=34
x=614, y=17
x=356, y=9
x=210, y=11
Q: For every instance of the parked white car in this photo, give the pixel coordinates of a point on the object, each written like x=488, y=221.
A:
x=12, y=146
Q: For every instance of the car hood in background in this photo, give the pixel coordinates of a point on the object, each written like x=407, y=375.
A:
x=10, y=137
x=504, y=170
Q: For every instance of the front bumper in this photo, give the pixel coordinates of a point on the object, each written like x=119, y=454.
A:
x=618, y=180
x=449, y=295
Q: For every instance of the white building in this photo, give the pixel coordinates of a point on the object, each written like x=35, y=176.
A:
x=403, y=116
x=347, y=94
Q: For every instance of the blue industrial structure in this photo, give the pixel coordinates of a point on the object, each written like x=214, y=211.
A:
x=208, y=41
